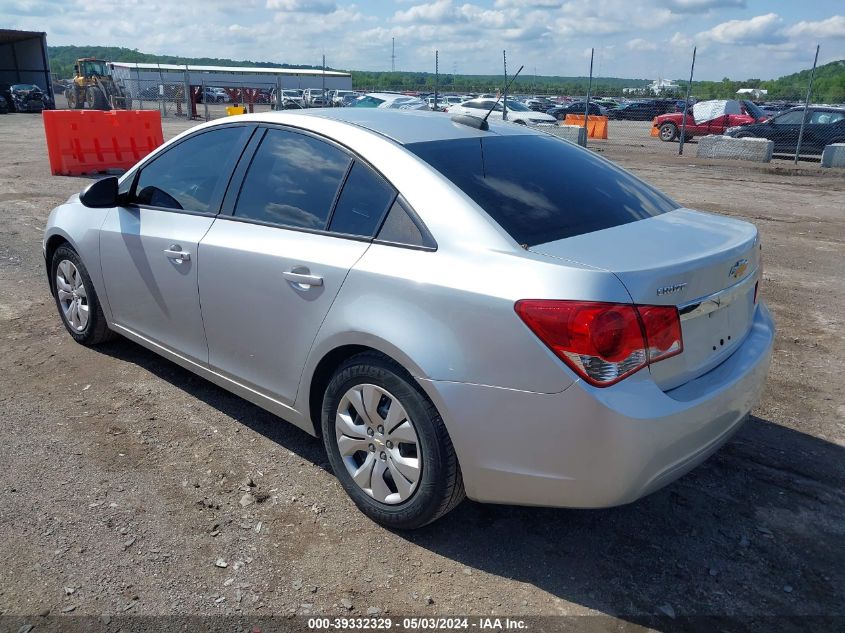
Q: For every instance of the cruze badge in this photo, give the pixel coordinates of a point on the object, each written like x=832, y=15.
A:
x=667, y=290
x=738, y=269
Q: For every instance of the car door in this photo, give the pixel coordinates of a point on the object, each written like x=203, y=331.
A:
x=785, y=129
x=148, y=247
x=275, y=259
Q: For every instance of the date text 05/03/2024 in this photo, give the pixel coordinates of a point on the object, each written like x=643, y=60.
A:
x=417, y=623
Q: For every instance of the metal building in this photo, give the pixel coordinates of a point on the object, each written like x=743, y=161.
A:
x=23, y=59
x=137, y=77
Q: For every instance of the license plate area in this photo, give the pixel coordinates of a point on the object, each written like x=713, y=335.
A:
x=712, y=328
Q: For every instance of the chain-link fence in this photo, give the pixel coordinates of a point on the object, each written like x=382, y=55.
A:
x=179, y=94
x=686, y=115
x=691, y=116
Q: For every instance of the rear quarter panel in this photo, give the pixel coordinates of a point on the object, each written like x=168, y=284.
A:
x=450, y=316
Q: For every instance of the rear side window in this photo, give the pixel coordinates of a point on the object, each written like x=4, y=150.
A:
x=400, y=228
x=191, y=174
x=293, y=180
x=362, y=203
x=539, y=188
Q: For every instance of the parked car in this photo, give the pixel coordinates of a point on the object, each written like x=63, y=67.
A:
x=538, y=104
x=4, y=105
x=209, y=95
x=776, y=107
x=708, y=117
x=338, y=96
x=314, y=98
x=607, y=102
x=560, y=112
x=289, y=97
x=570, y=341
x=517, y=112
x=637, y=111
x=824, y=126
x=390, y=101
x=442, y=105
x=25, y=97
x=349, y=100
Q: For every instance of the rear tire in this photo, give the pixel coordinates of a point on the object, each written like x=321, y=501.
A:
x=668, y=132
x=77, y=301
x=399, y=431
x=75, y=99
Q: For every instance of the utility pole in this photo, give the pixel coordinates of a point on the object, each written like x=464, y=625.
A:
x=806, y=104
x=589, y=90
x=393, y=54
x=324, y=82
x=436, y=75
x=505, y=87
x=686, y=105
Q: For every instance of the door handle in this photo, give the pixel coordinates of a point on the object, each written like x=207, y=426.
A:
x=176, y=253
x=302, y=279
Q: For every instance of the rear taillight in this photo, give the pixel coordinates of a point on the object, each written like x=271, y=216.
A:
x=604, y=342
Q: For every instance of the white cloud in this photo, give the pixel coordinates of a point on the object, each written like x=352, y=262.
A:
x=639, y=44
x=438, y=12
x=702, y=6
x=302, y=6
x=651, y=37
x=833, y=27
x=761, y=29
x=529, y=4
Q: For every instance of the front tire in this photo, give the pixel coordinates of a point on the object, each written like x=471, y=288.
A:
x=96, y=99
x=668, y=132
x=77, y=301
x=387, y=444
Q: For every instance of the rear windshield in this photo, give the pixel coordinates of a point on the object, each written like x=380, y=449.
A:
x=539, y=188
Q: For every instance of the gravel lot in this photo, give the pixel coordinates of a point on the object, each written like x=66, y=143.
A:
x=130, y=486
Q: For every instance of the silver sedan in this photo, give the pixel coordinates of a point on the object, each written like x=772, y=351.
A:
x=456, y=308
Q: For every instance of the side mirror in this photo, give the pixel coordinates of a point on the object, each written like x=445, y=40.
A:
x=100, y=194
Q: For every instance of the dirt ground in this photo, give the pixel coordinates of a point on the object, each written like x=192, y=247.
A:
x=122, y=475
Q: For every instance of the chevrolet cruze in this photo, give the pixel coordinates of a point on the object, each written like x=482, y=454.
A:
x=456, y=308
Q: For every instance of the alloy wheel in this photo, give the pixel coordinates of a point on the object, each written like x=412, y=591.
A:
x=72, y=296
x=378, y=444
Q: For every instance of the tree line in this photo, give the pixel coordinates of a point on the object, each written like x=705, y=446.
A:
x=828, y=86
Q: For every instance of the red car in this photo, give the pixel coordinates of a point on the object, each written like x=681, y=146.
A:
x=707, y=117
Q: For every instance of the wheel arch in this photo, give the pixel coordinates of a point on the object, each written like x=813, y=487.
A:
x=51, y=245
x=319, y=371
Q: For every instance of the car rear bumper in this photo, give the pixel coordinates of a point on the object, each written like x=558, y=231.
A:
x=590, y=448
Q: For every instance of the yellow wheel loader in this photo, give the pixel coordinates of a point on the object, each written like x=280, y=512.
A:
x=94, y=88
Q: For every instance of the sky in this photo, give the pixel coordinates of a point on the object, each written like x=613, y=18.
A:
x=646, y=39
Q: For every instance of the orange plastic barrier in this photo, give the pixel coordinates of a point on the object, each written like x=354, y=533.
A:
x=84, y=141
x=655, y=131
x=596, y=125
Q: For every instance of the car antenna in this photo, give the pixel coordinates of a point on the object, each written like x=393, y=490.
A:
x=478, y=122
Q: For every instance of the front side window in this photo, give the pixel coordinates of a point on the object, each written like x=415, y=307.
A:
x=362, y=203
x=191, y=175
x=293, y=180
x=517, y=181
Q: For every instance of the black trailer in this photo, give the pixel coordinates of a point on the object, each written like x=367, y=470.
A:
x=23, y=60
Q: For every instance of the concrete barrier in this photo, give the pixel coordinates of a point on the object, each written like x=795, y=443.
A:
x=758, y=150
x=834, y=155
x=575, y=133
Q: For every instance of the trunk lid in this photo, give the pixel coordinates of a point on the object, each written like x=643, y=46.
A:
x=707, y=265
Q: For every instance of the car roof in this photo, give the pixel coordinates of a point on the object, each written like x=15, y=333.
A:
x=403, y=126
x=817, y=108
